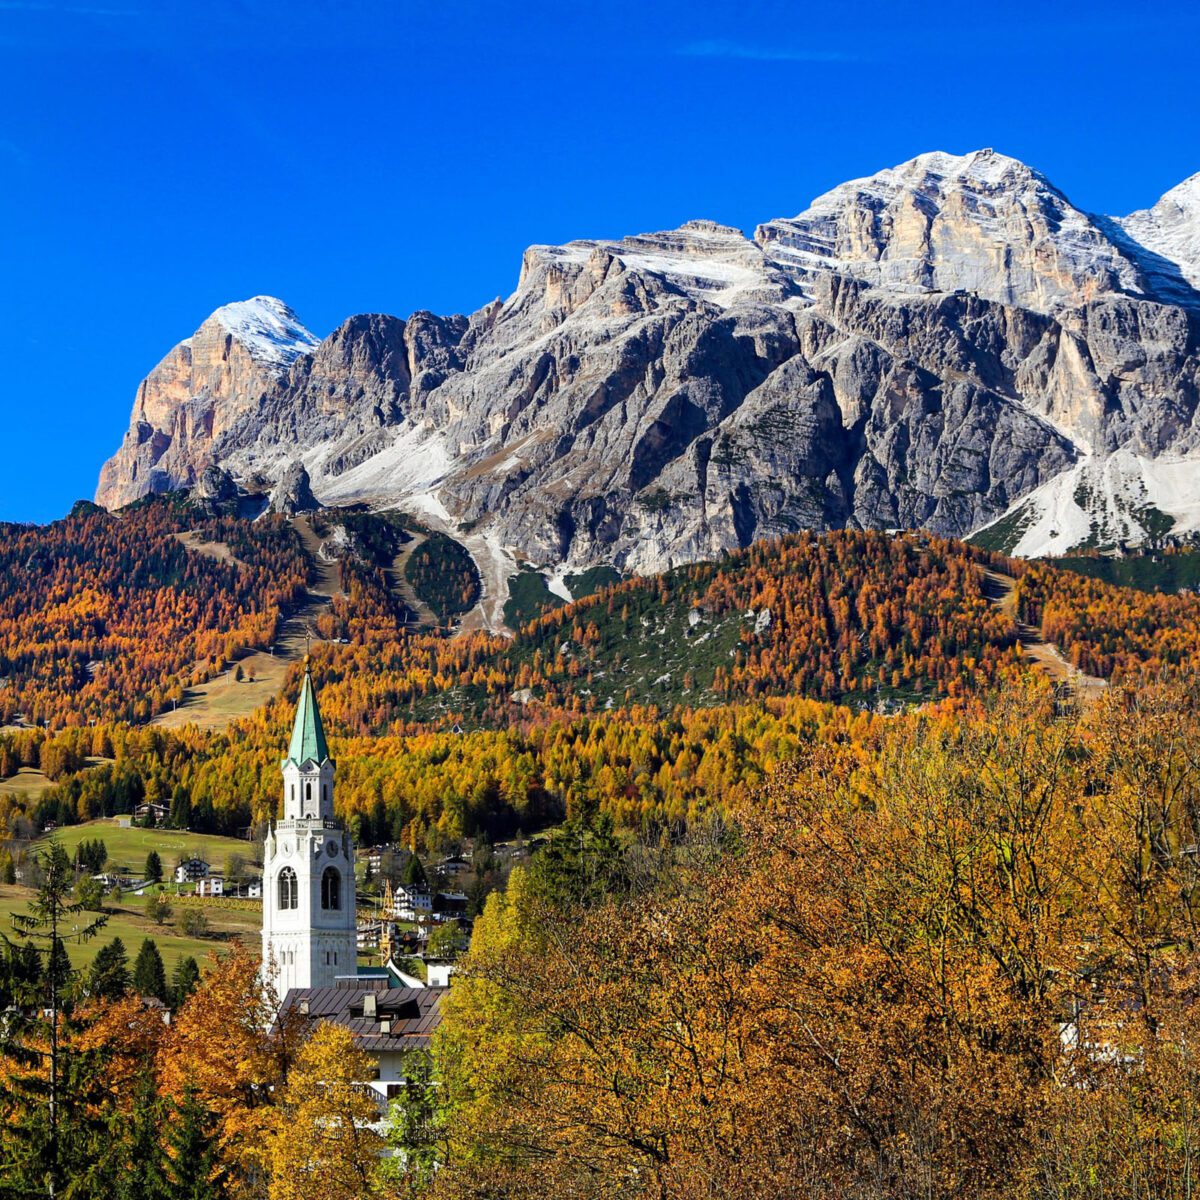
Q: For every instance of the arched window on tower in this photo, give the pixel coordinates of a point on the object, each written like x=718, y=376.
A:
x=331, y=889
x=289, y=890
x=308, y=791
x=324, y=793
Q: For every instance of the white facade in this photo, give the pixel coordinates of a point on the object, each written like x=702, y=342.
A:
x=191, y=869
x=309, y=924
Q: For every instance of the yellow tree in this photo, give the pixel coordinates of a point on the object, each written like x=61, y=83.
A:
x=326, y=1143
x=228, y=1051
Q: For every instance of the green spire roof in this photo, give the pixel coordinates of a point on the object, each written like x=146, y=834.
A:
x=308, y=737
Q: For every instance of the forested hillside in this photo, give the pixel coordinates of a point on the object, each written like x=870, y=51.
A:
x=653, y=701
x=955, y=961
x=847, y=616
x=109, y=618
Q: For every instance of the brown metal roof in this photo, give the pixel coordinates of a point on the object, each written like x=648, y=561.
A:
x=414, y=1012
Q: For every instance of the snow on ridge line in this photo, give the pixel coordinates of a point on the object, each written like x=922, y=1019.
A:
x=268, y=328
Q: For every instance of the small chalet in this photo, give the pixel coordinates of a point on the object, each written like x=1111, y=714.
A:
x=192, y=870
x=450, y=906
x=455, y=864
x=151, y=811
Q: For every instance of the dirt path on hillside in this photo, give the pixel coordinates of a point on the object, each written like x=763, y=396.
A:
x=219, y=551
x=1001, y=590
x=400, y=586
x=496, y=566
x=213, y=705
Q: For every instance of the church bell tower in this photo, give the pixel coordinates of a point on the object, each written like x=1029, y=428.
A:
x=309, y=926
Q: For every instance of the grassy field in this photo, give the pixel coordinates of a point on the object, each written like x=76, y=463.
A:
x=28, y=784
x=128, y=847
x=229, y=922
x=215, y=704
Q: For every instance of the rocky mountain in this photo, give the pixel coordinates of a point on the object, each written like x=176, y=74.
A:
x=948, y=344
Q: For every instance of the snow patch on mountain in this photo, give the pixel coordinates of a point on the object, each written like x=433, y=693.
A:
x=413, y=465
x=268, y=329
x=556, y=583
x=1103, y=502
x=1172, y=228
x=703, y=259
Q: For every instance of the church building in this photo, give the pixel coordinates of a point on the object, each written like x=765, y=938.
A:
x=309, y=936
x=309, y=929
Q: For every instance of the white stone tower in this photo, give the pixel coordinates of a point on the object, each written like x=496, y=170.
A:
x=309, y=926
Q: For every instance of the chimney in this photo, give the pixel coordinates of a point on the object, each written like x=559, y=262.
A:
x=369, y=1005
x=304, y=1008
x=385, y=1027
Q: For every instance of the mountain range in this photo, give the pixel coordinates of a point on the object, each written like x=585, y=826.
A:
x=949, y=344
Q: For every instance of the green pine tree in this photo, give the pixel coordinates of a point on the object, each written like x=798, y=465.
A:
x=413, y=874
x=109, y=977
x=153, y=867
x=181, y=808
x=582, y=864
x=184, y=979
x=149, y=975
x=47, y=1125
x=142, y=1166
x=192, y=1164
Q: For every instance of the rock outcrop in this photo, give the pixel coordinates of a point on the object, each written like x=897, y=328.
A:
x=940, y=345
x=293, y=493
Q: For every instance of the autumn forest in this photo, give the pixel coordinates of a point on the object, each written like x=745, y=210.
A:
x=842, y=884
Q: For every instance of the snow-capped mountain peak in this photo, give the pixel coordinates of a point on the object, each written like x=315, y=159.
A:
x=950, y=343
x=981, y=222
x=1171, y=229
x=268, y=328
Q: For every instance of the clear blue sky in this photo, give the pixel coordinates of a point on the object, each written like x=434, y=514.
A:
x=160, y=159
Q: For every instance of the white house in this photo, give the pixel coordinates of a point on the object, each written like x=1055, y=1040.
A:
x=190, y=870
x=214, y=885
x=412, y=902
x=438, y=973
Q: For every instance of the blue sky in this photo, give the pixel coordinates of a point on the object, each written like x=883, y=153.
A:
x=160, y=159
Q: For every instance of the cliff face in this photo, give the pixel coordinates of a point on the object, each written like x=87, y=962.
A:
x=214, y=382
x=940, y=345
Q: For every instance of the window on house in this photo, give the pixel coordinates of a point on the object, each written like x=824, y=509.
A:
x=289, y=890
x=331, y=889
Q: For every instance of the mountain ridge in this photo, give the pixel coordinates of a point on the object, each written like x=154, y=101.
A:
x=931, y=346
